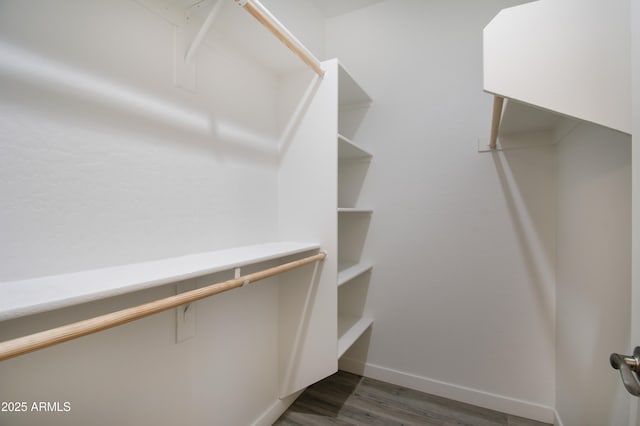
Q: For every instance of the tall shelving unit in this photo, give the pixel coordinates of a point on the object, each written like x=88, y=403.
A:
x=353, y=218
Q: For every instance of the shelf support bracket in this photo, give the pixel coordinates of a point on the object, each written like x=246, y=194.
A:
x=187, y=42
x=204, y=29
x=498, y=101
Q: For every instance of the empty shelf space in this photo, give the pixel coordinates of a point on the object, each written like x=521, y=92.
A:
x=348, y=272
x=349, y=150
x=350, y=92
x=350, y=328
x=31, y=296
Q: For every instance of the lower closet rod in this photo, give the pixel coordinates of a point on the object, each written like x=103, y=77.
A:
x=44, y=339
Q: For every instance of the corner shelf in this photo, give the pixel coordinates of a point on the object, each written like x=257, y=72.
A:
x=36, y=295
x=350, y=328
x=553, y=70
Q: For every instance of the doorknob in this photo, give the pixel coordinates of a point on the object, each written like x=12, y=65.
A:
x=629, y=367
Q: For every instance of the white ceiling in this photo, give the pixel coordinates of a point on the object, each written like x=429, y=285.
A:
x=331, y=8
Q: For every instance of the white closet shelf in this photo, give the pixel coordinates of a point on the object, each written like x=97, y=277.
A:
x=350, y=328
x=349, y=91
x=31, y=296
x=347, y=273
x=553, y=69
x=354, y=210
x=349, y=150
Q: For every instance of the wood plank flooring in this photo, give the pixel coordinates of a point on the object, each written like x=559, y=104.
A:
x=347, y=399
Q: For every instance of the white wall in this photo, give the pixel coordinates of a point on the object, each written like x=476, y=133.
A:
x=462, y=290
x=105, y=162
x=101, y=151
x=593, y=274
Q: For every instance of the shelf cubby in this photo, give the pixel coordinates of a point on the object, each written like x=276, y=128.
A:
x=346, y=273
x=350, y=328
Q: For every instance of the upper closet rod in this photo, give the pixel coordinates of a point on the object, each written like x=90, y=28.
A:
x=280, y=31
x=33, y=342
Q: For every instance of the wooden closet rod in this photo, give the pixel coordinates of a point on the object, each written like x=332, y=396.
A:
x=280, y=31
x=44, y=339
x=495, y=120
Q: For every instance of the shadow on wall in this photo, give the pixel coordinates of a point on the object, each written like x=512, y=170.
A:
x=574, y=237
x=532, y=210
x=57, y=90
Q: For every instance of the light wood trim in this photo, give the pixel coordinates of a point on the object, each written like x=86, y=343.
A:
x=44, y=339
x=495, y=121
x=283, y=35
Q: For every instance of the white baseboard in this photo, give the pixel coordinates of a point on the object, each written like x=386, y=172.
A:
x=558, y=420
x=274, y=411
x=500, y=403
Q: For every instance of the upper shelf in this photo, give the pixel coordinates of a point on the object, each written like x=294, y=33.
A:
x=570, y=57
x=349, y=150
x=31, y=296
x=349, y=91
x=268, y=42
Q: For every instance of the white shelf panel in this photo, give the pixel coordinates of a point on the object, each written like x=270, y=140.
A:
x=349, y=91
x=576, y=66
x=31, y=296
x=354, y=210
x=350, y=328
x=349, y=150
x=348, y=272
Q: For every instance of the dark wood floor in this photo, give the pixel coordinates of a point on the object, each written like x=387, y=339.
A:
x=347, y=399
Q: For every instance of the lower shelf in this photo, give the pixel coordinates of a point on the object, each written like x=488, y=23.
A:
x=32, y=296
x=350, y=328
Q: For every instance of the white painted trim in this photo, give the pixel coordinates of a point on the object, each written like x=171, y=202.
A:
x=557, y=419
x=275, y=410
x=476, y=397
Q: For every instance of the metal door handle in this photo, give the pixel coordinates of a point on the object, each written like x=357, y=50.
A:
x=629, y=366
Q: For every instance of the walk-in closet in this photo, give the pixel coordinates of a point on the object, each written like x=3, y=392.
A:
x=317, y=212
